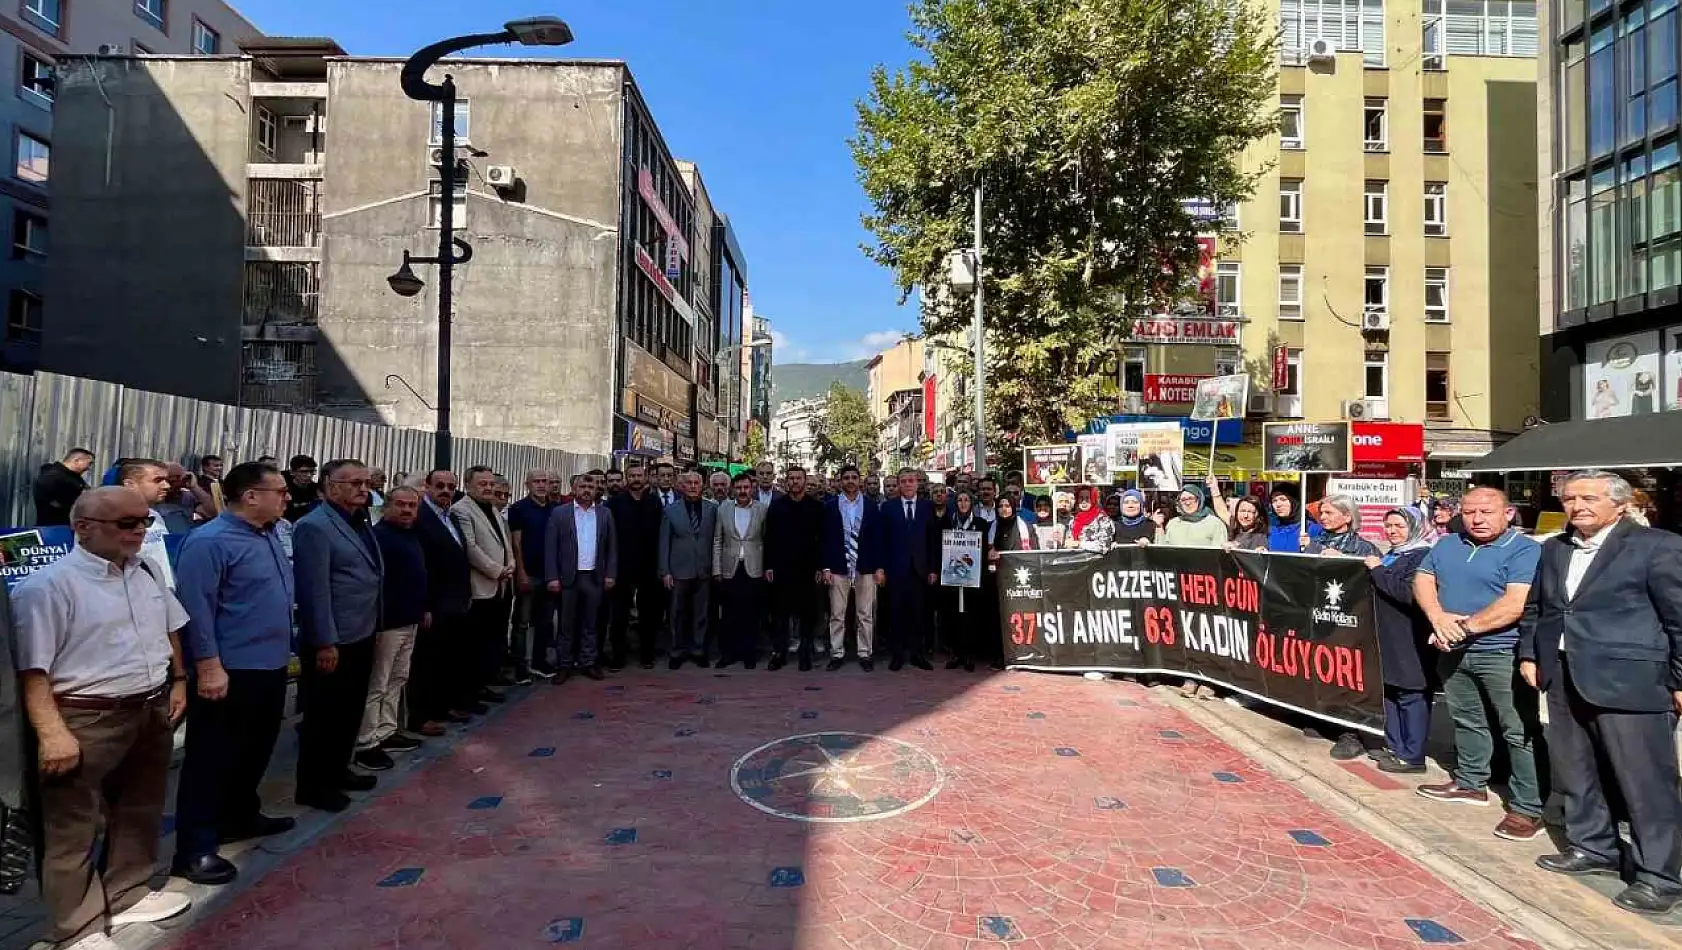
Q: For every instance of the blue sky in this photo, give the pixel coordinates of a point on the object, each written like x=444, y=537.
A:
x=759, y=93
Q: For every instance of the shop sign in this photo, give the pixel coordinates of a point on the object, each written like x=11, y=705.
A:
x=1281, y=368
x=1171, y=329
x=647, y=376
x=1172, y=387
x=651, y=197
x=1375, y=497
x=1388, y=442
x=685, y=448
x=646, y=440
x=652, y=272
x=1306, y=446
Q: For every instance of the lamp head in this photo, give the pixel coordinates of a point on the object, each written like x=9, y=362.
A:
x=540, y=31
x=404, y=283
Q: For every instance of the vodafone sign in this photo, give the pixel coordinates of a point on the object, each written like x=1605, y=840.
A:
x=1388, y=443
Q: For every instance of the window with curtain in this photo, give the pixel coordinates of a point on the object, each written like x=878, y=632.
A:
x=1490, y=27
x=1351, y=25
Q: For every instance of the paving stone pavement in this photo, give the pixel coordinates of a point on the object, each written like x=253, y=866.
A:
x=769, y=811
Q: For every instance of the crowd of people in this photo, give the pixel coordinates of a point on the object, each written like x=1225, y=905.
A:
x=414, y=605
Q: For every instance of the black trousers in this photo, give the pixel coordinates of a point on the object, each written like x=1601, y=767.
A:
x=534, y=623
x=581, y=613
x=486, y=642
x=906, y=596
x=743, y=616
x=432, y=688
x=229, y=742
x=962, y=628
x=643, y=594
x=799, y=602
x=1641, y=754
x=333, y=715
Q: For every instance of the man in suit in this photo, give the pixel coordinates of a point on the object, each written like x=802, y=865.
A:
x=851, y=566
x=636, y=524
x=490, y=554
x=665, y=484
x=1602, y=637
x=685, y=563
x=436, y=680
x=739, y=567
x=908, y=558
x=339, y=574
x=581, y=557
x=793, y=540
x=765, y=483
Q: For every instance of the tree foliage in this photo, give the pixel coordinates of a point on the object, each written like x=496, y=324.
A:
x=844, y=431
x=754, y=448
x=1088, y=123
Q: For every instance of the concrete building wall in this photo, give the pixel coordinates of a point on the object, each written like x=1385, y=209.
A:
x=146, y=260
x=534, y=332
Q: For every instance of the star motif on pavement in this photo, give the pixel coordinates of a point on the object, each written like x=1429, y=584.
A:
x=843, y=774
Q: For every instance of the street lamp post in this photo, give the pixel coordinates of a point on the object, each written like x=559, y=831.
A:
x=964, y=269
x=452, y=250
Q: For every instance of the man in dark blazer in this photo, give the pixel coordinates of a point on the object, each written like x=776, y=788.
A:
x=637, y=514
x=581, y=555
x=686, y=565
x=433, y=692
x=338, y=572
x=793, y=533
x=909, y=557
x=1602, y=636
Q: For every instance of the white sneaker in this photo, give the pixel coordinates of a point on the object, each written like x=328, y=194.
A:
x=94, y=941
x=156, y=906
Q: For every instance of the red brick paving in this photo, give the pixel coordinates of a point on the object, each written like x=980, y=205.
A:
x=1021, y=844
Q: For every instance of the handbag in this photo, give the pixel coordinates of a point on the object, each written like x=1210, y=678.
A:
x=16, y=850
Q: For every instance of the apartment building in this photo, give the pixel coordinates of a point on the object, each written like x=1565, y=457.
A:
x=894, y=383
x=34, y=36
x=1387, y=267
x=292, y=179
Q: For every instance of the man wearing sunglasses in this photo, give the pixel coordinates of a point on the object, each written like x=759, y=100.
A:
x=150, y=478
x=104, y=684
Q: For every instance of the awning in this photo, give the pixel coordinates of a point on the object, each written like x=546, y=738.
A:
x=1646, y=441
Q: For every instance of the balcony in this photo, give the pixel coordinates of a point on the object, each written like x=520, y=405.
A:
x=283, y=219
x=282, y=301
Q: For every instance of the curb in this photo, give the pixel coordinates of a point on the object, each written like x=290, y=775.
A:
x=1531, y=921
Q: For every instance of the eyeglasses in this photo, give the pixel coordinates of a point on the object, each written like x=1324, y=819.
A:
x=125, y=524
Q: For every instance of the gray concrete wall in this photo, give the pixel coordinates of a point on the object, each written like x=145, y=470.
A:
x=146, y=267
x=535, y=325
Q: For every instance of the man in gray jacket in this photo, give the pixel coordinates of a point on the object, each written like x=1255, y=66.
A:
x=338, y=572
x=686, y=563
x=582, y=562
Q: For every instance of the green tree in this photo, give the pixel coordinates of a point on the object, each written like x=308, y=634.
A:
x=754, y=449
x=1089, y=124
x=845, y=432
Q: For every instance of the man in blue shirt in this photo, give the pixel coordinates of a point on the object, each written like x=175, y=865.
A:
x=235, y=581
x=534, y=608
x=1472, y=587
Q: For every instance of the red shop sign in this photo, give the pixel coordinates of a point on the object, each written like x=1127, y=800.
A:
x=1171, y=387
x=1388, y=442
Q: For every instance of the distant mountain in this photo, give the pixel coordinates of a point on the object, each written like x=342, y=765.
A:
x=800, y=380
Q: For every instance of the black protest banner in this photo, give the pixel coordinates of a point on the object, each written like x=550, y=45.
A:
x=1292, y=630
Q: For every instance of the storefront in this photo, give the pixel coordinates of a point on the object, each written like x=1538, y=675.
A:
x=1645, y=448
x=656, y=398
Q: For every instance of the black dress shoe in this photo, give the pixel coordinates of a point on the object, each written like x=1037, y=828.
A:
x=543, y=671
x=398, y=742
x=867, y=664
x=492, y=696
x=895, y=665
x=805, y=664
x=262, y=826
x=776, y=664
x=354, y=782
x=675, y=663
x=700, y=661
x=834, y=664
x=954, y=663
x=209, y=870
x=1576, y=862
x=323, y=801
x=921, y=663
x=562, y=675
x=594, y=672
x=1643, y=898
x=374, y=760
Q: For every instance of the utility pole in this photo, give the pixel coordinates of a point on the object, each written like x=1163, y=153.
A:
x=980, y=352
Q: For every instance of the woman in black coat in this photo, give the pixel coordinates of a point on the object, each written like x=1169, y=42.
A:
x=1403, y=642
x=964, y=617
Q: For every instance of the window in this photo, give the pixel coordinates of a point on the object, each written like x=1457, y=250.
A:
x=1228, y=361
x=1289, y=402
x=1577, y=242
x=1377, y=205
x=1229, y=217
x=464, y=116
x=1290, y=291
x=1436, y=295
x=152, y=11
x=1572, y=118
x=1436, y=126
x=1436, y=208
x=435, y=208
x=1664, y=217
x=29, y=236
x=32, y=158
x=1290, y=205
x=44, y=15
x=23, y=318
x=1661, y=66
x=1375, y=126
x=1632, y=56
x=1352, y=25
x=1436, y=387
x=1603, y=248
x=1603, y=81
x=1431, y=37
x=1487, y=27
x=1290, y=122
x=1377, y=290
x=206, y=41
x=265, y=131
x=1633, y=267
x=36, y=82
x=1377, y=374
x=1227, y=277
x=1133, y=370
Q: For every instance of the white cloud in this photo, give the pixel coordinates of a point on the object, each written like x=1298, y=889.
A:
x=785, y=349
x=872, y=343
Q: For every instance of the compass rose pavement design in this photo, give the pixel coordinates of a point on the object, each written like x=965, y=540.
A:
x=837, y=777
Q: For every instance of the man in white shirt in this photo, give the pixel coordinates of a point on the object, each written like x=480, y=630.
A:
x=103, y=683
x=665, y=484
x=151, y=479
x=739, y=567
x=581, y=564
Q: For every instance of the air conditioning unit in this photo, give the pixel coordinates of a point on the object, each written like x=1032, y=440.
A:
x=1261, y=403
x=501, y=177
x=1322, y=50
x=1356, y=409
x=435, y=156
x=110, y=49
x=1376, y=320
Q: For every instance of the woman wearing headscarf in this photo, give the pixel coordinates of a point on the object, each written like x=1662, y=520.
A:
x=1133, y=524
x=1404, y=636
x=1047, y=530
x=1339, y=518
x=1093, y=529
x=1285, y=530
x=963, y=627
x=1249, y=526
x=1195, y=524
x=1007, y=533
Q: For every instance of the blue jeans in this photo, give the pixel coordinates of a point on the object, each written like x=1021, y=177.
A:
x=1476, y=685
x=1407, y=722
